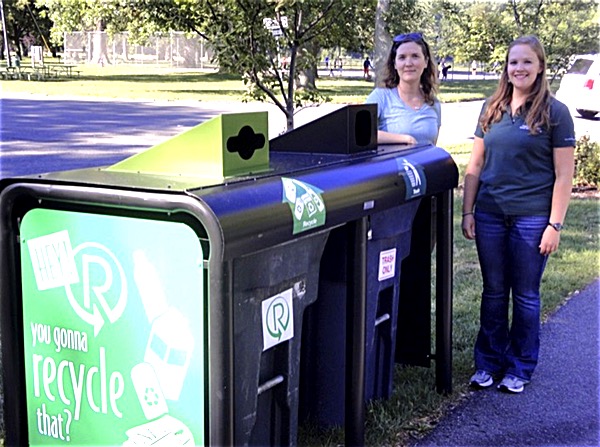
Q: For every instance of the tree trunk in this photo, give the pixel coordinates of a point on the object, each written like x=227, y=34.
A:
x=307, y=78
x=382, y=39
x=100, y=45
x=289, y=118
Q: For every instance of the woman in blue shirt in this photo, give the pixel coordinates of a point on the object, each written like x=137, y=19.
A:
x=408, y=111
x=516, y=193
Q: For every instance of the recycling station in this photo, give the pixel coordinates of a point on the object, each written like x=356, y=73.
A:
x=221, y=288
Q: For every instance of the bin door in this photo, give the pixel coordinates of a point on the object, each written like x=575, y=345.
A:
x=413, y=343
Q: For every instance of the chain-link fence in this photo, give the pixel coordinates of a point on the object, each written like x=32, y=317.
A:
x=174, y=49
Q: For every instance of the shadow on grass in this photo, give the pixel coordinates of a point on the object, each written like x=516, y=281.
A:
x=234, y=93
x=344, y=90
x=452, y=90
x=166, y=78
x=484, y=87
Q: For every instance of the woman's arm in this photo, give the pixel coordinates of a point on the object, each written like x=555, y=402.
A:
x=471, y=186
x=384, y=137
x=564, y=165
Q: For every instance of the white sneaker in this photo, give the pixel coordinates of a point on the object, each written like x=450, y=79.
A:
x=512, y=384
x=482, y=379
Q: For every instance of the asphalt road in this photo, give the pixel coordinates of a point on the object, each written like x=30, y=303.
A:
x=560, y=406
x=45, y=134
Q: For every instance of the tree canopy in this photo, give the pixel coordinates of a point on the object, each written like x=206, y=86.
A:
x=482, y=30
x=253, y=37
x=26, y=25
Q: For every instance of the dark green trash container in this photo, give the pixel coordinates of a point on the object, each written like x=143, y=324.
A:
x=152, y=298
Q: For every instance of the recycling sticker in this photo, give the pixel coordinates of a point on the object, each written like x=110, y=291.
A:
x=306, y=204
x=414, y=178
x=113, y=330
x=278, y=319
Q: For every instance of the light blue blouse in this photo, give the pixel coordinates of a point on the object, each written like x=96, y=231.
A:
x=395, y=116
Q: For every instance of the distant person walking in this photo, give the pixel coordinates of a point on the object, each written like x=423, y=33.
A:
x=516, y=194
x=474, y=68
x=339, y=65
x=445, y=69
x=366, y=66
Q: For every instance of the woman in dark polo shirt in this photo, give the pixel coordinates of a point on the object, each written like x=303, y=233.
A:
x=516, y=193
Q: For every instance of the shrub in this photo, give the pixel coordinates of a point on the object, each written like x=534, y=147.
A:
x=587, y=162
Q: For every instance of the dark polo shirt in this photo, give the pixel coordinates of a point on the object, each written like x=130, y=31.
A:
x=518, y=172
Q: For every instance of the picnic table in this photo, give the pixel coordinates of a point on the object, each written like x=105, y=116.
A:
x=61, y=69
x=9, y=72
x=39, y=72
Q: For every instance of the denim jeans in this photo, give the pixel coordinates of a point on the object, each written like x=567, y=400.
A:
x=510, y=259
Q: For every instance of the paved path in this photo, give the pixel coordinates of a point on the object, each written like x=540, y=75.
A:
x=558, y=408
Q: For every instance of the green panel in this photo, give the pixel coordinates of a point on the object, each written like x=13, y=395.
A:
x=113, y=321
x=234, y=126
x=202, y=151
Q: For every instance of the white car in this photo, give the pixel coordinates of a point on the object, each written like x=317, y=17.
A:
x=580, y=86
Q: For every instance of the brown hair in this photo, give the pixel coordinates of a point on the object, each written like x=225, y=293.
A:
x=536, y=109
x=429, y=77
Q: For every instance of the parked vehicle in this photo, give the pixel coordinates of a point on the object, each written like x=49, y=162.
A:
x=580, y=86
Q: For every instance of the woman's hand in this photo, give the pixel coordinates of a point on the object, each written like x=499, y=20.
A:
x=409, y=139
x=550, y=241
x=471, y=185
x=468, y=226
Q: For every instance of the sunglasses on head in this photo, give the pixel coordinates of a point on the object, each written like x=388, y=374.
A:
x=408, y=36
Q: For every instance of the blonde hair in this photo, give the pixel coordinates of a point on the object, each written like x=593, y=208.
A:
x=536, y=109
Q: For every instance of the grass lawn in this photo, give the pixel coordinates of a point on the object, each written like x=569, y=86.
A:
x=162, y=83
x=415, y=406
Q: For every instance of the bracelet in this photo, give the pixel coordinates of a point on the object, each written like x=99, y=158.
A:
x=467, y=214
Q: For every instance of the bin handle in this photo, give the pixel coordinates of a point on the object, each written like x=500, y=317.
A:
x=266, y=386
x=382, y=319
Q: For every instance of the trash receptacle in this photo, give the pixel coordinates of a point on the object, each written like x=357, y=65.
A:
x=398, y=314
x=390, y=232
x=165, y=295
x=324, y=362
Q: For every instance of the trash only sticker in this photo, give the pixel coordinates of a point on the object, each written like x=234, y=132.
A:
x=387, y=264
x=113, y=330
x=414, y=178
x=277, y=319
x=306, y=204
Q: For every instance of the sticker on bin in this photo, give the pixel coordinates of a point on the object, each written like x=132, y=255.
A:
x=414, y=178
x=306, y=204
x=387, y=264
x=277, y=319
x=113, y=328
x=53, y=260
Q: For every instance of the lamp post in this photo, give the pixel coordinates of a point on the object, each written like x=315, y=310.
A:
x=4, y=34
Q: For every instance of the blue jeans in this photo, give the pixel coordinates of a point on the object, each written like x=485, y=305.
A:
x=510, y=259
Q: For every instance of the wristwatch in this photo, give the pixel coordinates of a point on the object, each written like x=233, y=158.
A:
x=557, y=226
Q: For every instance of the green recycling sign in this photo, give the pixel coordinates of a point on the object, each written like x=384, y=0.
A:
x=306, y=204
x=113, y=323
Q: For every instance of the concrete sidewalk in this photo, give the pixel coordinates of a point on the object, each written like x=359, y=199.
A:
x=558, y=408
